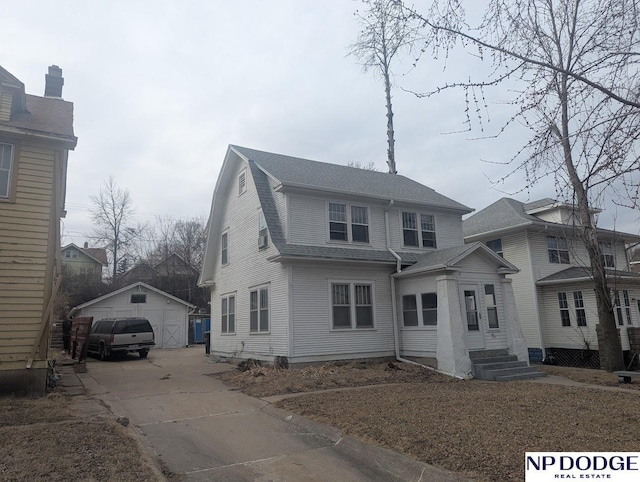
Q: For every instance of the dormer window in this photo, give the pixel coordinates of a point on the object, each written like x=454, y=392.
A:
x=348, y=223
x=6, y=169
x=608, y=258
x=558, y=250
x=242, y=183
x=425, y=237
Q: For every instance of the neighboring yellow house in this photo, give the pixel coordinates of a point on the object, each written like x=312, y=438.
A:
x=36, y=134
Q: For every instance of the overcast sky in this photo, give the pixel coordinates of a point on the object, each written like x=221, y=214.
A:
x=161, y=88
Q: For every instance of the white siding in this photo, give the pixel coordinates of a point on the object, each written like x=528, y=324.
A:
x=313, y=336
x=247, y=268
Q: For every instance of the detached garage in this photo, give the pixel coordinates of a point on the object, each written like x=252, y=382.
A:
x=168, y=315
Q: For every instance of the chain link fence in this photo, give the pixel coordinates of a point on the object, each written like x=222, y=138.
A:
x=567, y=357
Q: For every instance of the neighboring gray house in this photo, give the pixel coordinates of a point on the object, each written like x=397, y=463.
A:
x=553, y=289
x=315, y=262
x=168, y=315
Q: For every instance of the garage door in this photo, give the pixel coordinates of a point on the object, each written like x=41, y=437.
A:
x=167, y=326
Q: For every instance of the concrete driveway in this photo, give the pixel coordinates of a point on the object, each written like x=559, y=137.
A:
x=201, y=430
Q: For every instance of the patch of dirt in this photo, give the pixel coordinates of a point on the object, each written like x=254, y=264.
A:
x=478, y=429
x=261, y=381
x=43, y=440
x=591, y=376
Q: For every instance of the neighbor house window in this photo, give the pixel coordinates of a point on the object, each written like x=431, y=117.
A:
x=338, y=222
x=618, y=306
x=348, y=223
x=557, y=249
x=608, y=259
x=242, y=183
x=352, y=305
x=429, y=309
x=263, y=234
x=138, y=298
x=495, y=245
x=581, y=314
x=6, y=169
x=259, y=310
x=224, y=248
x=425, y=236
x=228, y=314
x=492, y=307
x=359, y=224
x=409, y=310
x=564, y=309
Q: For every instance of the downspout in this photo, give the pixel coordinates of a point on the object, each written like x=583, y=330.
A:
x=394, y=311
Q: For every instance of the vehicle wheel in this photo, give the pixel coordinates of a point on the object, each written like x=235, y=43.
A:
x=143, y=353
x=103, y=353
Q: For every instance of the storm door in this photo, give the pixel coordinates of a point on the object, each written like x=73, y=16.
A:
x=472, y=317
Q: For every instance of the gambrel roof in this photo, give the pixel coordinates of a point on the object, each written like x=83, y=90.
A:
x=304, y=173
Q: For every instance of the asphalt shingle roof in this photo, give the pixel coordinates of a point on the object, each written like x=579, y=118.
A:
x=46, y=115
x=580, y=272
x=294, y=171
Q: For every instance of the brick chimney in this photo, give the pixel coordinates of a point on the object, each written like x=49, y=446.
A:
x=53, y=82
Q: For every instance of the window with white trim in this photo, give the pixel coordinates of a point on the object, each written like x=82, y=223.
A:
x=352, y=305
x=578, y=303
x=495, y=245
x=425, y=236
x=491, y=305
x=608, y=258
x=137, y=298
x=263, y=233
x=259, y=310
x=565, y=319
x=228, y=314
x=558, y=250
x=618, y=306
x=242, y=183
x=420, y=310
x=224, y=248
x=348, y=223
x=6, y=169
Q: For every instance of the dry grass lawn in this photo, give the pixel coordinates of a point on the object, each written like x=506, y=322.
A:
x=479, y=429
x=42, y=439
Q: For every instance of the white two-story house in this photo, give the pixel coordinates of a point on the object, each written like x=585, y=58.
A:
x=315, y=262
x=554, y=289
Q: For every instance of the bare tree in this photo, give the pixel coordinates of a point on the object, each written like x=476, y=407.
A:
x=576, y=62
x=384, y=32
x=369, y=166
x=112, y=214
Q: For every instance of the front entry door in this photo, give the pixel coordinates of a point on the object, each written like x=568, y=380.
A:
x=473, y=317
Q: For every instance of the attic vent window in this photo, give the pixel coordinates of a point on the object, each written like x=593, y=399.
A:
x=137, y=298
x=242, y=183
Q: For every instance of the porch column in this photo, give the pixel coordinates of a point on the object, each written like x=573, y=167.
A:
x=515, y=340
x=451, y=351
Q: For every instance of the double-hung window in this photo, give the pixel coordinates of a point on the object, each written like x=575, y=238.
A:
x=6, y=169
x=224, y=248
x=608, y=258
x=581, y=314
x=259, y=310
x=619, y=306
x=564, y=309
x=495, y=245
x=558, y=250
x=228, y=314
x=425, y=313
x=348, y=223
x=263, y=233
x=415, y=235
x=352, y=305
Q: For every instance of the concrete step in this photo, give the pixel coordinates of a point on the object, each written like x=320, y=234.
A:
x=522, y=376
x=500, y=365
x=480, y=355
x=494, y=359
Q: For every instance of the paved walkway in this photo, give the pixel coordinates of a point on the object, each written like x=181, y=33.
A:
x=201, y=430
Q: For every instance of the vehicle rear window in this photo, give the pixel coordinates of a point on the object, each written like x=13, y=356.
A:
x=132, y=326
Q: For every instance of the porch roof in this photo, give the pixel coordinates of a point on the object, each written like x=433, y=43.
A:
x=580, y=274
